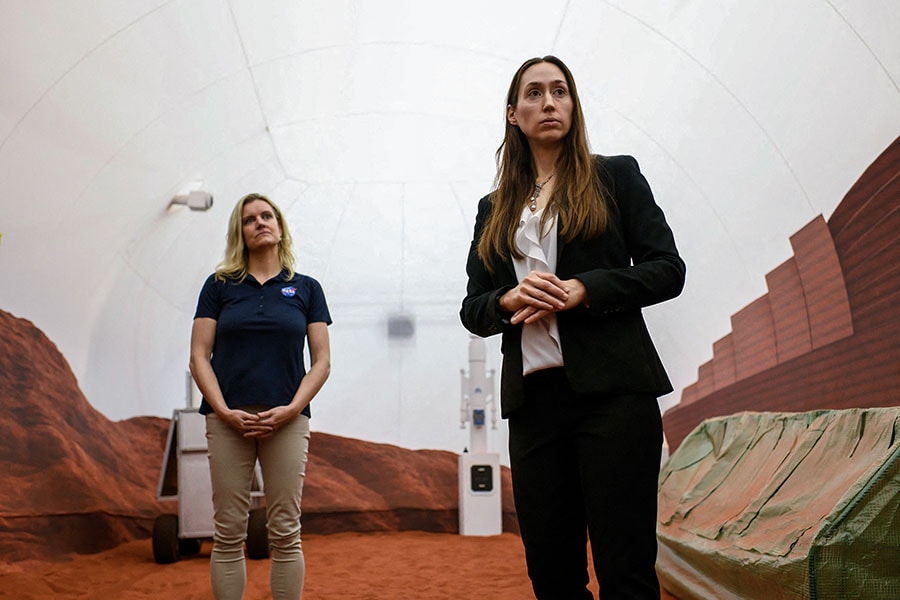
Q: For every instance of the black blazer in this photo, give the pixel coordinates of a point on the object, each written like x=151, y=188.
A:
x=606, y=347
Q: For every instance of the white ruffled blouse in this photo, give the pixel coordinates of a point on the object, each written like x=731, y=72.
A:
x=541, y=348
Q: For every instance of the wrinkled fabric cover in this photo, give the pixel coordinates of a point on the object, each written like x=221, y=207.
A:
x=784, y=505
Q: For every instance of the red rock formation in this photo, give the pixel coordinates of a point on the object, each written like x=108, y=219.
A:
x=75, y=481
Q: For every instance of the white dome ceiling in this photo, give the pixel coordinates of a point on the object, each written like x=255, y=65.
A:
x=374, y=125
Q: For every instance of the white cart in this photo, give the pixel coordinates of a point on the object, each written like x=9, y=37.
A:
x=185, y=479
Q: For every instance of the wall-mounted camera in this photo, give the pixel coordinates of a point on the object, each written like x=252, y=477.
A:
x=195, y=200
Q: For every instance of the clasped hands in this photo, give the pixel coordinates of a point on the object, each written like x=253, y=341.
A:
x=540, y=294
x=260, y=425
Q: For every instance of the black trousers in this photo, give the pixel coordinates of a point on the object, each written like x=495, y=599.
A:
x=586, y=465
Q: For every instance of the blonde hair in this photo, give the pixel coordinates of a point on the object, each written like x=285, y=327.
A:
x=579, y=196
x=236, y=255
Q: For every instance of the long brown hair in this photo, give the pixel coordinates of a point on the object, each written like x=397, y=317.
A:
x=578, y=197
x=235, y=264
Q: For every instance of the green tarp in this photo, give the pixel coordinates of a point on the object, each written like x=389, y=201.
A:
x=784, y=506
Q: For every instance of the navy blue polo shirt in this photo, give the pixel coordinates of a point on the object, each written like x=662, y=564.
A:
x=260, y=333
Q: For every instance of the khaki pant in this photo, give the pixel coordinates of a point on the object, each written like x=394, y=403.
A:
x=232, y=459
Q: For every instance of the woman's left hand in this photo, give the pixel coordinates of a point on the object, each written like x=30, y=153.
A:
x=274, y=419
x=530, y=314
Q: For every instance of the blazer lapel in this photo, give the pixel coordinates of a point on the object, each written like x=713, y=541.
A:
x=560, y=243
x=510, y=271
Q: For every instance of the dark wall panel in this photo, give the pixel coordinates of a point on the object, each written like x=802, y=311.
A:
x=724, y=369
x=754, y=339
x=789, y=314
x=823, y=284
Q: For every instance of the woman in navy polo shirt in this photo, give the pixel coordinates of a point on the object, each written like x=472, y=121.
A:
x=252, y=318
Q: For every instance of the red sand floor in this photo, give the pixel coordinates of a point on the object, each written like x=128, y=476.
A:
x=350, y=566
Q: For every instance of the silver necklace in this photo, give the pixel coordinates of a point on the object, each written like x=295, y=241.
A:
x=537, y=192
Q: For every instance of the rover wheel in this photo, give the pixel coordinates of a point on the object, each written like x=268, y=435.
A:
x=165, y=539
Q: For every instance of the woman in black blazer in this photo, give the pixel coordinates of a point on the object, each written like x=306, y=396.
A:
x=567, y=250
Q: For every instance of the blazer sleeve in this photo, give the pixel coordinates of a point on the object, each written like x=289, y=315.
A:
x=480, y=313
x=652, y=270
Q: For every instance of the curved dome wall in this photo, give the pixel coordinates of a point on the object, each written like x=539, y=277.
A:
x=374, y=126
